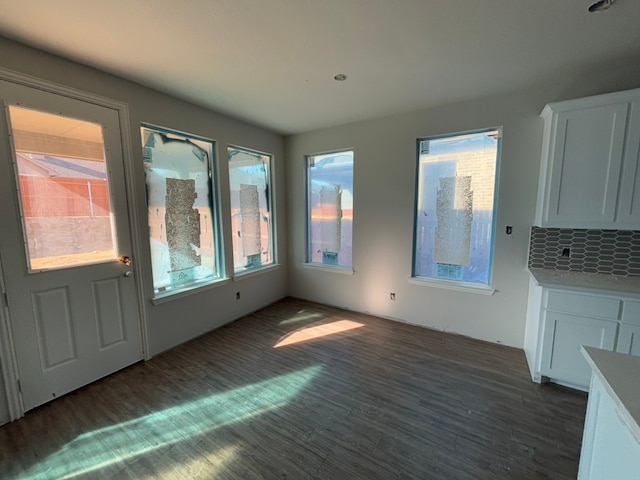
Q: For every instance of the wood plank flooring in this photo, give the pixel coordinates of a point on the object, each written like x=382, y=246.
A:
x=343, y=396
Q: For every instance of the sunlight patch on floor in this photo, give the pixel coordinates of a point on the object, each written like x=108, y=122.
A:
x=317, y=331
x=199, y=467
x=101, y=448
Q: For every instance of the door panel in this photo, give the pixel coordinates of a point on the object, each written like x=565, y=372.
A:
x=108, y=312
x=52, y=315
x=72, y=304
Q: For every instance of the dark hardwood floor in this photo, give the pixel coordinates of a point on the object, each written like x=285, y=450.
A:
x=343, y=396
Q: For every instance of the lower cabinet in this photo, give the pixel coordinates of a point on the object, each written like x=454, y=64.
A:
x=629, y=340
x=563, y=335
x=560, y=321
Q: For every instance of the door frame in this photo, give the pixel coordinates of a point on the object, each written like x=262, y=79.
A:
x=8, y=360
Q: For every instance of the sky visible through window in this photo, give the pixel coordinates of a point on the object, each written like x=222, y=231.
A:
x=330, y=208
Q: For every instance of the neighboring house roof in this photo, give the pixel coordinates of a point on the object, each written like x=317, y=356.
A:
x=47, y=166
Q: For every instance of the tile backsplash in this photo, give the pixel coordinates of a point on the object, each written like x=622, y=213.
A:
x=613, y=252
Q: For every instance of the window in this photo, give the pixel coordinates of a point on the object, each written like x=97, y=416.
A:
x=455, y=206
x=64, y=190
x=251, y=206
x=330, y=208
x=184, y=228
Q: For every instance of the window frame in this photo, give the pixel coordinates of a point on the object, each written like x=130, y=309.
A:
x=308, y=263
x=270, y=196
x=160, y=295
x=461, y=285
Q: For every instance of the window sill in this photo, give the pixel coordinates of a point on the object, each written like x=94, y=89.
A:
x=450, y=285
x=329, y=268
x=254, y=271
x=164, y=297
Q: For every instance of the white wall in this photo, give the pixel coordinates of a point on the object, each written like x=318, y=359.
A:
x=384, y=202
x=178, y=320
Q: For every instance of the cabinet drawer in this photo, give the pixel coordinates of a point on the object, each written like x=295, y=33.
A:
x=580, y=304
x=631, y=312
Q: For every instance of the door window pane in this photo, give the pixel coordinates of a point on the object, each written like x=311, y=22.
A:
x=330, y=208
x=182, y=218
x=455, y=206
x=63, y=190
x=251, y=219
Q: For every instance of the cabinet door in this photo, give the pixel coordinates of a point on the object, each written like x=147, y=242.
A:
x=563, y=335
x=629, y=200
x=586, y=158
x=629, y=340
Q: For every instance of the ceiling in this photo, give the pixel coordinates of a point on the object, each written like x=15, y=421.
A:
x=273, y=62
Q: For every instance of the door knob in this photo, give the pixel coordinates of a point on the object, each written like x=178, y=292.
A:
x=126, y=260
x=128, y=273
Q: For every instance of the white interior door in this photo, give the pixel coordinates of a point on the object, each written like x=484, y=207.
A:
x=63, y=210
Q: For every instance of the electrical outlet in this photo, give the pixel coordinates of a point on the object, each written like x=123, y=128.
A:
x=237, y=295
x=392, y=296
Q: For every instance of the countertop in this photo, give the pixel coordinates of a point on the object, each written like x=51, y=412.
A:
x=589, y=282
x=620, y=375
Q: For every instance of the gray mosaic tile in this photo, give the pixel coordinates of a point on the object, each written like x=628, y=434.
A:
x=614, y=252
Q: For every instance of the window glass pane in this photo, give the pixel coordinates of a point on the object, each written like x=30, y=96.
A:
x=330, y=208
x=455, y=206
x=182, y=219
x=251, y=220
x=64, y=191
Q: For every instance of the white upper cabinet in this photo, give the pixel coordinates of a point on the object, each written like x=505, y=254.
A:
x=587, y=156
x=629, y=199
x=589, y=176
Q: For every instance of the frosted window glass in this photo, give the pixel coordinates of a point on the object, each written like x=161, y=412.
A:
x=251, y=217
x=182, y=220
x=454, y=226
x=330, y=208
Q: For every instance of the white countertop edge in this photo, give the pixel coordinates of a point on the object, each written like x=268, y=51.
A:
x=620, y=375
x=586, y=282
